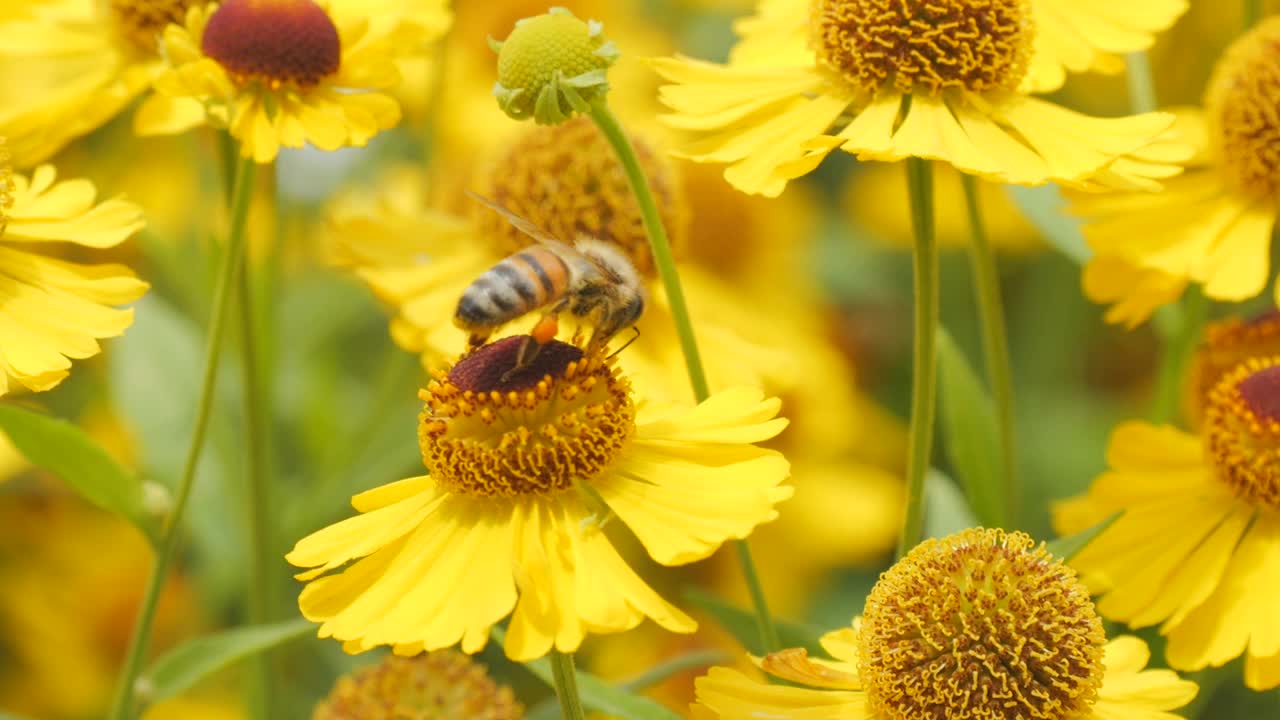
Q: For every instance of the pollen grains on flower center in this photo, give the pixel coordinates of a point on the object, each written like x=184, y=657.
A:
x=1241, y=103
x=980, y=625
x=140, y=22
x=567, y=180
x=924, y=45
x=277, y=42
x=1242, y=430
x=489, y=431
x=1226, y=344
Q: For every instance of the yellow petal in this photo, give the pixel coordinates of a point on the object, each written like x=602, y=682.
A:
x=734, y=696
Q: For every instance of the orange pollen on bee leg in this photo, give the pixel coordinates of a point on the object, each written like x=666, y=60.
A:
x=490, y=431
x=280, y=42
x=546, y=329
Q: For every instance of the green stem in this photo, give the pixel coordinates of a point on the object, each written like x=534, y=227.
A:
x=1142, y=90
x=924, y=355
x=1179, y=344
x=658, y=243
x=665, y=262
x=995, y=347
x=259, y=502
x=122, y=703
x=566, y=681
x=1252, y=13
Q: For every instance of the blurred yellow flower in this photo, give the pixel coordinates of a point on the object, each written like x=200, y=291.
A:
x=440, y=685
x=72, y=65
x=1212, y=225
x=949, y=81
x=1197, y=548
x=280, y=73
x=526, y=470
x=979, y=624
x=51, y=310
x=82, y=572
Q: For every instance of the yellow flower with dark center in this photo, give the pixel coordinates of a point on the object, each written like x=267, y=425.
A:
x=442, y=685
x=526, y=468
x=1226, y=344
x=72, y=65
x=980, y=625
x=951, y=81
x=275, y=73
x=53, y=311
x=1196, y=547
x=1212, y=225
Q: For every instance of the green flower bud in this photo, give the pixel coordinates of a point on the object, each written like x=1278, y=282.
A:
x=552, y=66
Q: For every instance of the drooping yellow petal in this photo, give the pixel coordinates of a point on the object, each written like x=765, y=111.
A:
x=777, y=35
x=1131, y=691
x=1134, y=292
x=734, y=696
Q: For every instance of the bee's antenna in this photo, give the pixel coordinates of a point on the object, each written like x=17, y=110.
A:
x=626, y=344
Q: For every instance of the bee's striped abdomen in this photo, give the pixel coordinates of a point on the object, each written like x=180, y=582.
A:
x=520, y=283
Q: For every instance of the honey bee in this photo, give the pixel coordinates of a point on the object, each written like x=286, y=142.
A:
x=591, y=279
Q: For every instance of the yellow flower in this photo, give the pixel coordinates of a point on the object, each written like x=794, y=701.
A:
x=977, y=625
x=51, y=310
x=526, y=468
x=278, y=73
x=1212, y=225
x=1197, y=549
x=943, y=80
x=66, y=633
x=441, y=685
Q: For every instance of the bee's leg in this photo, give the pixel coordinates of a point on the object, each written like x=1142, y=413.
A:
x=476, y=339
x=542, y=333
x=627, y=344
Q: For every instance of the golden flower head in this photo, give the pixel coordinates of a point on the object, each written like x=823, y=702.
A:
x=276, y=42
x=442, y=685
x=1242, y=431
x=140, y=22
x=1241, y=101
x=984, y=625
x=1226, y=344
x=928, y=45
x=551, y=66
x=526, y=468
x=489, y=431
x=590, y=195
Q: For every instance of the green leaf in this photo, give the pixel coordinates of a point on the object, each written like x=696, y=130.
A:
x=1045, y=207
x=599, y=695
x=182, y=667
x=1069, y=546
x=946, y=512
x=66, y=451
x=970, y=433
x=549, y=709
x=742, y=624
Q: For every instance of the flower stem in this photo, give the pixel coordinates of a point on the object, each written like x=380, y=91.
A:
x=1179, y=343
x=259, y=506
x=658, y=243
x=924, y=355
x=1252, y=13
x=566, y=681
x=122, y=704
x=666, y=265
x=995, y=347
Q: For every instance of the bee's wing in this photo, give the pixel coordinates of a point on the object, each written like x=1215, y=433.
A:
x=518, y=222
